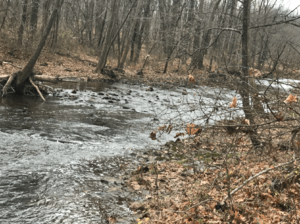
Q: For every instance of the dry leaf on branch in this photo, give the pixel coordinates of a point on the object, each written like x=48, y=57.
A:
x=153, y=135
x=233, y=103
x=192, y=129
x=191, y=79
x=254, y=72
x=291, y=99
x=162, y=128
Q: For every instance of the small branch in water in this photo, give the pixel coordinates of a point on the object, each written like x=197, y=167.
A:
x=37, y=89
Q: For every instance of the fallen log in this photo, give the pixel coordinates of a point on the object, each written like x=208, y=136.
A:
x=44, y=78
x=4, y=77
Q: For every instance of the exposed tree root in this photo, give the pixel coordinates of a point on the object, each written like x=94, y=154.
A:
x=9, y=82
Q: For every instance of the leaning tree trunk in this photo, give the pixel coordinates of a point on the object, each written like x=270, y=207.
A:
x=26, y=72
x=245, y=71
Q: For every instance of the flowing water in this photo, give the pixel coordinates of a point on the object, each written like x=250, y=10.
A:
x=60, y=159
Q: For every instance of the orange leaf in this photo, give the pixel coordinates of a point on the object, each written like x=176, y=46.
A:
x=233, y=103
x=191, y=129
x=291, y=99
x=191, y=79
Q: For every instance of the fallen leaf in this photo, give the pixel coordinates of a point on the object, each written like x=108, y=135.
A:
x=239, y=141
x=153, y=135
x=233, y=103
x=291, y=99
x=148, y=197
x=112, y=219
x=279, y=117
x=179, y=134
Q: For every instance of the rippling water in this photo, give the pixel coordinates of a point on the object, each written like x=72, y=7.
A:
x=60, y=159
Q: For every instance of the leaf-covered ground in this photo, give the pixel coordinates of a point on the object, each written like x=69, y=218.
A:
x=183, y=192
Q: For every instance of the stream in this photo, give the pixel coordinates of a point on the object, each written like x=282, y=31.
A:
x=60, y=159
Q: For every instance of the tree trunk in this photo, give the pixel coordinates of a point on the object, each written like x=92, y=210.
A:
x=207, y=37
x=46, y=8
x=6, y=12
x=145, y=25
x=245, y=70
x=106, y=47
x=34, y=15
x=127, y=44
x=23, y=21
x=101, y=34
x=134, y=38
x=26, y=72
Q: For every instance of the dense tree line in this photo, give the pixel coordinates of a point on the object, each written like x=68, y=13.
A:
x=198, y=33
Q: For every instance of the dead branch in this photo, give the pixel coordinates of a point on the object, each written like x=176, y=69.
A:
x=4, y=77
x=4, y=62
x=37, y=89
x=253, y=177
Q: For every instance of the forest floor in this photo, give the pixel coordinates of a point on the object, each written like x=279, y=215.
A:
x=210, y=177
x=192, y=177
x=83, y=66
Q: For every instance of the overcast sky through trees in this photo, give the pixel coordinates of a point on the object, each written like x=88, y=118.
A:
x=291, y=4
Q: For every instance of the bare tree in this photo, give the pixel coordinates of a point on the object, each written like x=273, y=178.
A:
x=23, y=21
x=26, y=72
